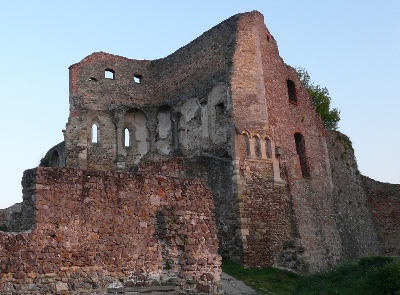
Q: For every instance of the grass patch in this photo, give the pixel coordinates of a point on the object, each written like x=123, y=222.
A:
x=369, y=276
x=264, y=280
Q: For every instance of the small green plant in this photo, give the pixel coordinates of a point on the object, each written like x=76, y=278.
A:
x=3, y=227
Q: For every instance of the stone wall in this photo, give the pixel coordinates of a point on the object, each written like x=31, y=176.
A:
x=263, y=110
x=11, y=216
x=217, y=173
x=21, y=216
x=384, y=201
x=55, y=157
x=353, y=215
x=182, y=100
x=226, y=109
x=98, y=229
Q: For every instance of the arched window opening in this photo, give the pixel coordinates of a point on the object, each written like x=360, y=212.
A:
x=268, y=148
x=301, y=151
x=292, y=91
x=109, y=74
x=54, y=159
x=127, y=137
x=95, y=133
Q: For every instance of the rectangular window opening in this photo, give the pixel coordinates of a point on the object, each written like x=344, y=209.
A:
x=220, y=109
x=137, y=79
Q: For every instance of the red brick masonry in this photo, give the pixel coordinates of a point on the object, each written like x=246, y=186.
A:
x=97, y=228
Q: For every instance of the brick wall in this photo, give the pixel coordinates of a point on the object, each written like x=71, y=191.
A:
x=261, y=107
x=94, y=229
x=190, y=82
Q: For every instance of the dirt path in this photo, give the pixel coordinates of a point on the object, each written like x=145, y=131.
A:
x=232, y=286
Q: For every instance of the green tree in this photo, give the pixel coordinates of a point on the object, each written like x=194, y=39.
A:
x=321, y=100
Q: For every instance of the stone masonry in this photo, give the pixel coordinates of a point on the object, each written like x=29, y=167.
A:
x=98, y=229
x=216, y=147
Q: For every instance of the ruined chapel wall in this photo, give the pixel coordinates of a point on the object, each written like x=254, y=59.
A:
x=191, y=83
x=96, y=228
x=194, y=82
x=384, y=202
x=353, y=213
x=93, y=98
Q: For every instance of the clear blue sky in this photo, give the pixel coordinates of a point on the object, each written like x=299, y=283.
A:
x=350, y=47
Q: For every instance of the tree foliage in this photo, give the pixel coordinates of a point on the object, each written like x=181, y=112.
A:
x=321, y=100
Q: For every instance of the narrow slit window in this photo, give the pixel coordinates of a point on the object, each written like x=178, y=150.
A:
x=292, y=91
x=95, y=133
x=54, y=160
x=257, y=147
x=109, y=74
x=127, y=137
x=268, y=148
x=137, y=79
x=301, y=151
x=220, y=109
x=247, y=141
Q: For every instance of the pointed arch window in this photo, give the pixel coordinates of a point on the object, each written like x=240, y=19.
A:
x=127, y=137
x=95, y=133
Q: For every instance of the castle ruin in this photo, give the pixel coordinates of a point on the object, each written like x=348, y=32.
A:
x=167, y=164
